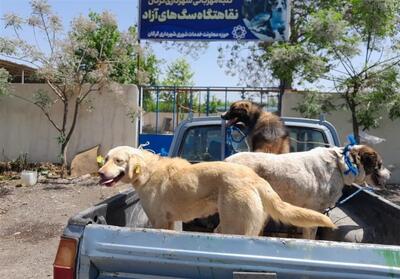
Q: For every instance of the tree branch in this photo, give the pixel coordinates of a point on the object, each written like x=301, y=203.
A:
x=55, y=90
x=46, y=31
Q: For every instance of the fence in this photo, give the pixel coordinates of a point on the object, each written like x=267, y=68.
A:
x=165, y=106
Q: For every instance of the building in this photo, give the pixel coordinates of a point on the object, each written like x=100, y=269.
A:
x=20, y=73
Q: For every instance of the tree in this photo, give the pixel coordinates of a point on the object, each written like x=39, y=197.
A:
x=369, y=86
x=178, y=73
x=75, y=66
x=294, y=61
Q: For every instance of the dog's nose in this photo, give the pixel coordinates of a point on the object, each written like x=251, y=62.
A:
x=223, y=116
x=100, y=173
x=279, y=10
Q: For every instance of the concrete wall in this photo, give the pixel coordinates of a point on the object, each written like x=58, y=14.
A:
x=24, y=128
x=389, y=130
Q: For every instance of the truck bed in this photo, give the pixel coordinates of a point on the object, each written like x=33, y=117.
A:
x=118, y=242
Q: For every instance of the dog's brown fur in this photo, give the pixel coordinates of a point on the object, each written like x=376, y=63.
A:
x=266, y=131
x=171, y=189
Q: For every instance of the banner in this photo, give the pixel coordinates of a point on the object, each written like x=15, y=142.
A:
x=264, y=20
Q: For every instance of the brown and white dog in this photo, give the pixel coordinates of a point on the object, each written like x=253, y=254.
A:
x=314, y=179
x=266, y=131
x=172, y=189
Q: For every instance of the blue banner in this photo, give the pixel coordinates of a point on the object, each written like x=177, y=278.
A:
x=265, y=20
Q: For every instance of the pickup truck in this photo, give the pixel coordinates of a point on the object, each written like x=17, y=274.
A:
x=114, y=239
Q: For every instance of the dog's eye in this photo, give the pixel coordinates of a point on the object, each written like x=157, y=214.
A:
x=118, y=161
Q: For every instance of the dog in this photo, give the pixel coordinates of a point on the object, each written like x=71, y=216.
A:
x=266, y=17
x=314, y=179
x=266, y=131
x=172, y=189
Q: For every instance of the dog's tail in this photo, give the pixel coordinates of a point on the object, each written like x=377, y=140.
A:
x=286, y=213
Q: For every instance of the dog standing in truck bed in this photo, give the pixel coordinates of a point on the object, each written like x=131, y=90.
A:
x=265, y=131
x=314, y=179
x=172, y=189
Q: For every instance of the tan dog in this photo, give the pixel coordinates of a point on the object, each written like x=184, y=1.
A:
x=266, y=131
x=171, y=189
x=314, y=179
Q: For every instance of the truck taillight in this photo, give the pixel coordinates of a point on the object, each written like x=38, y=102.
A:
x=64, y=264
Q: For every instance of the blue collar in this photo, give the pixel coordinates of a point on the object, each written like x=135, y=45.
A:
x=346, y=154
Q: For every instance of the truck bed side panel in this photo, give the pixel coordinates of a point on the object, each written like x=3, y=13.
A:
x=136, y=253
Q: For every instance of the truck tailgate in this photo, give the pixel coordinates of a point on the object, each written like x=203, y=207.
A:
x=117, y=252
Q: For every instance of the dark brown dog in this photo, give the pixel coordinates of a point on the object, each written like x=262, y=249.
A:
x=265, y=131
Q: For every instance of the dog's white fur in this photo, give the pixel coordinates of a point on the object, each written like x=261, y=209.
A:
x=313, y=179
x=171, y=189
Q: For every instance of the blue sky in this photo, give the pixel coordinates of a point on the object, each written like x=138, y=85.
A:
x=207, y=72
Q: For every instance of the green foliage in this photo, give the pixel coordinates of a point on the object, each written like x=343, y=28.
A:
x=179, y=74
x=42, y=99
x=135, y=59
x=314, y=104
x=380, y=95
x=4, y=81
x=374, y=18
x=357, y=40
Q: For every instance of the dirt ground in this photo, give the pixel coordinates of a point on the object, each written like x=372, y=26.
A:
x=32, y=220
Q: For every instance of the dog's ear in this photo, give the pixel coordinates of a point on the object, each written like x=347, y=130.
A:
x=134, y=167
x=368, y=158
x=369, y=161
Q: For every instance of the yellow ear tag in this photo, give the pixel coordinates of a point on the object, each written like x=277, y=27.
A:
x=137, y=169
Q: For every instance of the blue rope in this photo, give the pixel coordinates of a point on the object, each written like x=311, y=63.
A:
x=351, y=167
x=365, y=188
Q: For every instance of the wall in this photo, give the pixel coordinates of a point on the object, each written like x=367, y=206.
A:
x=25, y=129
x=389, y=130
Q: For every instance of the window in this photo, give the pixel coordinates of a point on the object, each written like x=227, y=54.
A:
x=303, y=139
x=202, y=144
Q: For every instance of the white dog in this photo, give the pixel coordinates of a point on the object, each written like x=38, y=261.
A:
x=315, y=179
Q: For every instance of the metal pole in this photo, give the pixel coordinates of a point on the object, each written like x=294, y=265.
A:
x=282, y=87
x=157, y=107
x=138, y=63
x=141, y=111
x=200, y=103
x=174, y=110
x=208, y=101
x=191, y=104
x=226, y=98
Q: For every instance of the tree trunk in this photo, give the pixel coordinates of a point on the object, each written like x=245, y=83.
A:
x=67, y=138
x=64, y=167
x=355, y=125
x=283, y=84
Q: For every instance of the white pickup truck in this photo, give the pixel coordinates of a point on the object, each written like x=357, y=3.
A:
x=114, y=239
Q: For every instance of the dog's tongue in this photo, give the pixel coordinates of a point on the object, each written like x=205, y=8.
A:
x=231, y=121
x=107, y=182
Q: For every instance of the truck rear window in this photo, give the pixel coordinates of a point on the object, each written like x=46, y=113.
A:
x=204, y=143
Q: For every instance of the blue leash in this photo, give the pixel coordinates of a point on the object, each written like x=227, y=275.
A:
x=365, y=188
x=230, y=139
